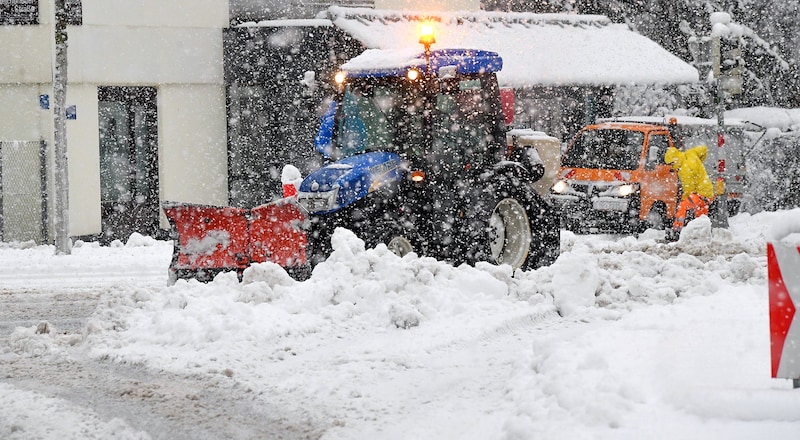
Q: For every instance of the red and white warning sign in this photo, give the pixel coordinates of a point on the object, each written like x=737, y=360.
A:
x=783, y=269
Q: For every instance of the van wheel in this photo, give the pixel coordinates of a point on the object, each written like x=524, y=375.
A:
x=656, y=218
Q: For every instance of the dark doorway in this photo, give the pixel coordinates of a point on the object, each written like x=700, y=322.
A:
x=277, y=79
x=128, y=161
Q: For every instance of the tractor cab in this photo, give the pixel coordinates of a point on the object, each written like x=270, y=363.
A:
x=438, y=111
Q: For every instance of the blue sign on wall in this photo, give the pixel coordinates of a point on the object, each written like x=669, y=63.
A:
x=44, y=102
x=72, y=112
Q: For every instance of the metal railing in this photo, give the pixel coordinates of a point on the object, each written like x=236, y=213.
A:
x=23, y=191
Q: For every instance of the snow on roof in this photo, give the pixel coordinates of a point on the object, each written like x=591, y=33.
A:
x=300, y=22
x=682, y=120
x=537, y=49
x=373, y=59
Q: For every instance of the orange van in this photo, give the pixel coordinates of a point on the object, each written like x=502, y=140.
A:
x=613, y=178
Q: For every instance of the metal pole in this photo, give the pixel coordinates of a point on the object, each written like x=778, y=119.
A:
x=61, y=196
x=2, y=212
x=720, y=218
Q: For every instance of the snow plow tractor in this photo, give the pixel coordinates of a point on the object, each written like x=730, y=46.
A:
x=422, y=164
x=417, y=159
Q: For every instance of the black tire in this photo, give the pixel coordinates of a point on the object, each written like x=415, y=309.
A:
x=546, y=228
x=399, y=236
x=318, y=247
x=299, y=273
x=656, y=218
x=373, y=229
x=734, y=206
x=509, y=224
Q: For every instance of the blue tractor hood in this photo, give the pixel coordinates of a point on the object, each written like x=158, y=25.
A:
x=341, y=183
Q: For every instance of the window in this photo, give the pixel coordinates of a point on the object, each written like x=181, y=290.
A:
x=609, y=149
x=19, y=12
x=657, y=146
x=74, y=10
x=26, y=12
x=379, y=115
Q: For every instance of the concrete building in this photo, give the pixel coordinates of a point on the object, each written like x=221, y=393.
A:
x=146, y=111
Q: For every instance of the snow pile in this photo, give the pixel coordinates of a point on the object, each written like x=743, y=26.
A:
x=355, y=290
x=38, y=341
x=622, y=337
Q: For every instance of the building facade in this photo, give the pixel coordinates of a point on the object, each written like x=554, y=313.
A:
x=146, y=116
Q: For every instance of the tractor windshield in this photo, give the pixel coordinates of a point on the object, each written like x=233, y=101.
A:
x=454, y=122
x=378, y=116
x=609, y=149
x=464, y=122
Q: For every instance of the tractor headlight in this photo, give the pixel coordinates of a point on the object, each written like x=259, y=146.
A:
x=417, y=176
x=560, y=186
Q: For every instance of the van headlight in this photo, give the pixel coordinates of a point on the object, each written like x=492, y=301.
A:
x=559, y=187
x=621, y=190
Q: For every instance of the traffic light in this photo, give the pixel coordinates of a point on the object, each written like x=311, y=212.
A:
x=729, y=64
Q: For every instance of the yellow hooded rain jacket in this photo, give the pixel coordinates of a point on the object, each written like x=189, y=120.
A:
x=691, y=172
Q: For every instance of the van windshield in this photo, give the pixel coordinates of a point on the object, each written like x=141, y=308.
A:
x=609, y=149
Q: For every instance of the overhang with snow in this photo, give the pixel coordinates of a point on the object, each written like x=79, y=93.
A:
x=537, y=49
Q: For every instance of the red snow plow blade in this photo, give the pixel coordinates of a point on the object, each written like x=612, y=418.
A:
x=213, y=239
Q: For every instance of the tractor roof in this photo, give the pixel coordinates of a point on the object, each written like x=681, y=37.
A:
x=396, y=62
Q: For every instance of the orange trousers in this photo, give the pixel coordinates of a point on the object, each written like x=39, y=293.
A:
x=696, y=204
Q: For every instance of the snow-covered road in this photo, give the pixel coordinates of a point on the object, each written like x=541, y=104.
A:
x=622, y=338
x=54, y=390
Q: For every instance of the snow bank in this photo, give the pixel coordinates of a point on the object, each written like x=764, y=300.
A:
x=622, y=337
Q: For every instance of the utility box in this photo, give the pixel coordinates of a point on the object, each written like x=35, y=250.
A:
x=546, y=147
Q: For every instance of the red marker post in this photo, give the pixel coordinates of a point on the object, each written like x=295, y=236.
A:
x=783, y=270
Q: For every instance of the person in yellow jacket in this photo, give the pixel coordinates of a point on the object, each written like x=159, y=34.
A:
x=698, y=191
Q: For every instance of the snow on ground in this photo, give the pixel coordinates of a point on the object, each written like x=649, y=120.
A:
x=31, y=415
x=621, y=338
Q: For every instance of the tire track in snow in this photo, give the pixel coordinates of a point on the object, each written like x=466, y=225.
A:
x=163, y=405
x=64, y=308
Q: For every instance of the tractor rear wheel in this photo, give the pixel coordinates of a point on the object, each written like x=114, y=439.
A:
x=508, y=224
x=510, y=234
